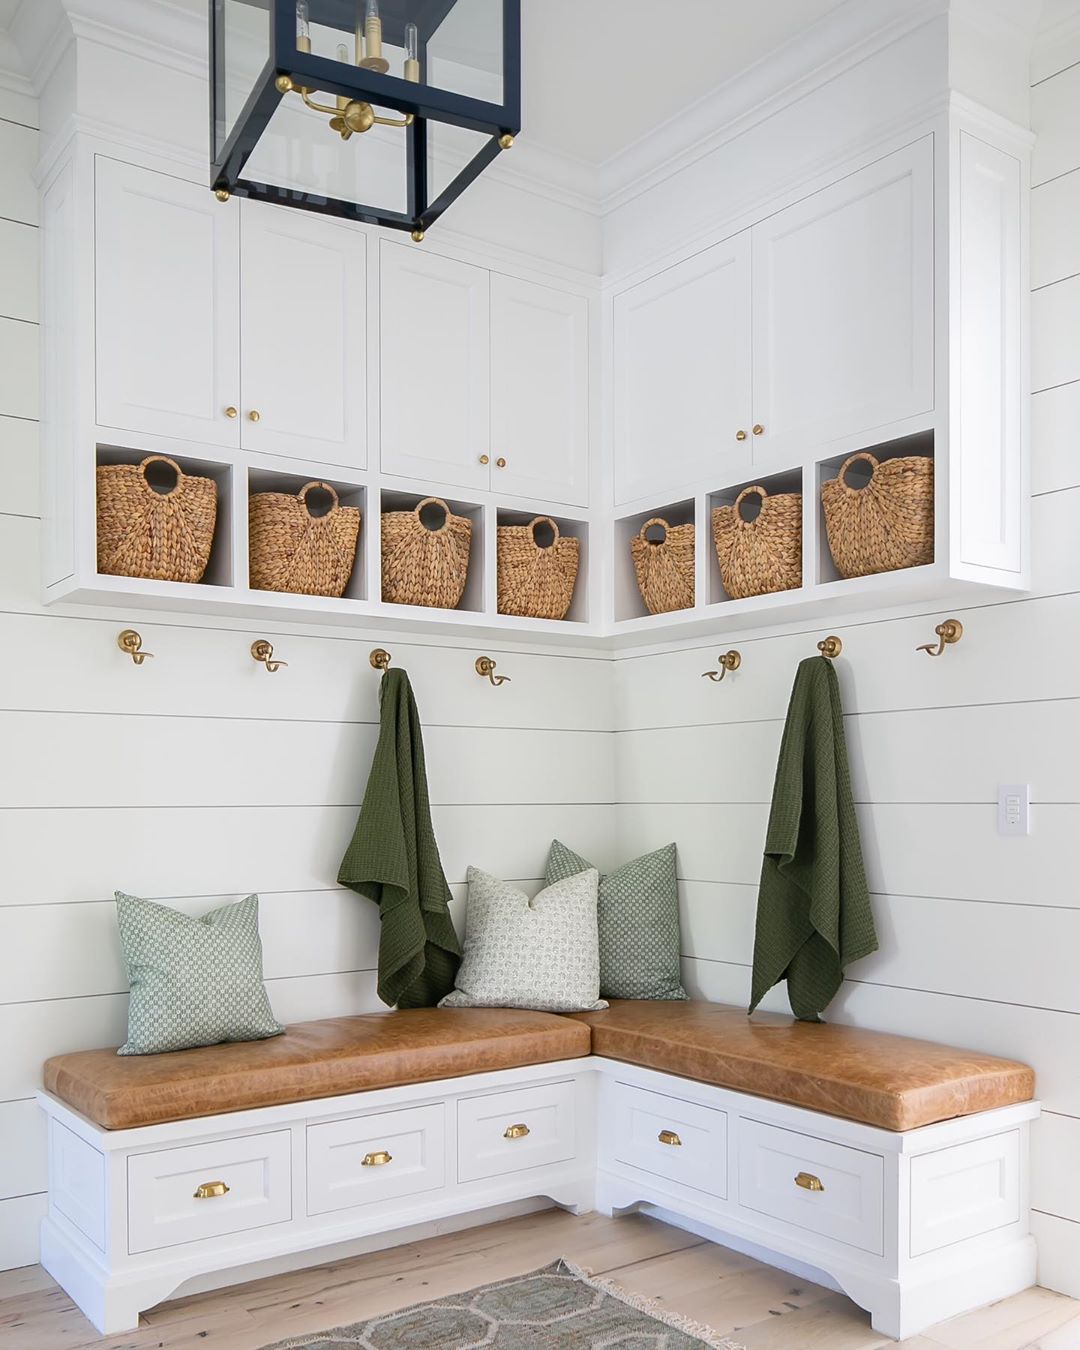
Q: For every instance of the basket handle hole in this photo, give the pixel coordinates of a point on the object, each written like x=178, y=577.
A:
x=858, y=474
x=433, y=516
x=161, y=477
x=319, y=502
x=543, y=533
x=656, y=534
x=750, y=507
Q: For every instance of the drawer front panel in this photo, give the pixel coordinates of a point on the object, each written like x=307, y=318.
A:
x=811, y=1183
x=670, y=1138
x=379, y=1157
x=208, y=1190
x=513, y=1131
x=965, y=1190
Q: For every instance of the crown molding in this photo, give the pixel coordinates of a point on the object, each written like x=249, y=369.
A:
x=1057, y=46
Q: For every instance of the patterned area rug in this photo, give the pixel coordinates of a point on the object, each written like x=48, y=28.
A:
x=557, y=1308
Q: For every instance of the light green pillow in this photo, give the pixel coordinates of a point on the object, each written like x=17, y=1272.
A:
x=522, y=953
x=638, y=918
x=193, y=981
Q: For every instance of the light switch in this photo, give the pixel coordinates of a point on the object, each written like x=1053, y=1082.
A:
x=1013, y=803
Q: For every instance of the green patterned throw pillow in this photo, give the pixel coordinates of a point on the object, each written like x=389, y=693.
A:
x=638, y=915
x=193, y=981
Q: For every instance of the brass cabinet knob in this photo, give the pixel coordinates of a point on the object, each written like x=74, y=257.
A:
x=210, y=1190
x=669, y=1137
x=254, y=415
x=740, y=435
x=379, y=1159
x=759, y=430
x=500, y=463
x=515, y=1131
x=809, y=1182
x=230, y=412
x=485, y=459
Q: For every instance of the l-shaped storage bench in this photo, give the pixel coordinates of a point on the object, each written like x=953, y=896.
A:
x=894, y=1169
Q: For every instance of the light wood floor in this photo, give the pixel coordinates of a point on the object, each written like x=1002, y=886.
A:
x=760, y=1307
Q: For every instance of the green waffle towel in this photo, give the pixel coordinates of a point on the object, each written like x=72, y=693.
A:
x=393, y=859
x=813, y=915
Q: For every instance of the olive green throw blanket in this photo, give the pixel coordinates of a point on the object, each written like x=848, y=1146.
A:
x=393, y=859
x=813, y=915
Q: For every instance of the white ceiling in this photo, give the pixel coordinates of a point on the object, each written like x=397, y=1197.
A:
x=597, y=75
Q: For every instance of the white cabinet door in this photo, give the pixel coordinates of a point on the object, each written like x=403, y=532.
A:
x=304, y=317
x=844, y=306
x=435, y=379
x=682, y=376
x=539, y=391
x=168, y=306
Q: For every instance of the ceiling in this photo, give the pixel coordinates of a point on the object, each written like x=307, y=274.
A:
x=598, y=75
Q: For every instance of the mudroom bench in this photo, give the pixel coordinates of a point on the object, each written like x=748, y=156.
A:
x=893, y=1169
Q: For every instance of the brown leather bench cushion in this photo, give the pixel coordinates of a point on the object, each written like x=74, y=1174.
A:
x=312, y=1059
x=870, y=1076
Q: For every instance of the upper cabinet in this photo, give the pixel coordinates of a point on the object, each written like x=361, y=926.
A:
x=185, y=284
x=539, y=391
x=484, y=379
x=167, y=292
x=843, y=286
x=682, y=386
x=304, y=306
x=836, y=309
x=435, y=380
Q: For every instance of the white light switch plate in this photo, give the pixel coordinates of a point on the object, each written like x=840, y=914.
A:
x=1013, y=804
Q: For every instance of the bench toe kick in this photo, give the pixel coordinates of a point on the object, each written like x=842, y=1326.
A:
x=915, y=1226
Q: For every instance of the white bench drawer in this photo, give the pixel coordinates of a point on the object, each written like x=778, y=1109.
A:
x=208, y=1190
x=379, y=1157
x=670, y=1138
x=811, y=1183
x=512, y=1131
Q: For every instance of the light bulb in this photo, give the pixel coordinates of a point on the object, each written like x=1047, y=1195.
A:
x=412, y=53
x=303, y=26
x=371, y=11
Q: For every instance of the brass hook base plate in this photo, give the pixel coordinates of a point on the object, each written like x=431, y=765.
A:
x=948, y=632
x=380, y=659
x=830, y=648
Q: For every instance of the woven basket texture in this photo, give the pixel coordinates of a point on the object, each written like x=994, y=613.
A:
x=664, y=567
x=422, y=566
x=164, y=536
x=762, y=555
x=886, y=525
x=292, y=550
x=536, y=581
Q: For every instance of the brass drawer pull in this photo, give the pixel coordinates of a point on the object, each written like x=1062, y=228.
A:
x=809, y=1182
x=379, y=1159
x=515, y=1131
x=209, y=1190
x=669, y=1137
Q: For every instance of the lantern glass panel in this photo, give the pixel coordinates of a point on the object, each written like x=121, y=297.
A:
x=243, y=53
x=464, y=55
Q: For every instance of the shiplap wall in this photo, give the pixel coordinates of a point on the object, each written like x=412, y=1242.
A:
x=199, y=777
x=979, y=934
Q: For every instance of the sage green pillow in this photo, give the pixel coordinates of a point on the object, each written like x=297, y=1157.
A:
x=638, y=919
x=193, y=981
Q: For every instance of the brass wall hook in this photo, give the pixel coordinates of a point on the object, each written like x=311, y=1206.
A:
x=130, y=642
x=729, y=661
x=830, y=648
x=262, y=651
x=380, y=659
x=948, y=632
x=485, y=666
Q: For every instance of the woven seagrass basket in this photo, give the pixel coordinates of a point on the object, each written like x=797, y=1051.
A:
x=141, y=532
x=292, y=550
x=764, y=554
x=536, y=581
x=664, y=566
x=886, y=525
x=423, y=565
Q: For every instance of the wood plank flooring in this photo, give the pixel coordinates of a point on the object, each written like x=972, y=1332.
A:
x=762, y=1308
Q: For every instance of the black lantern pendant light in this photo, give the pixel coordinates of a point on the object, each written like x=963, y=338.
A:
x=377, y=110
